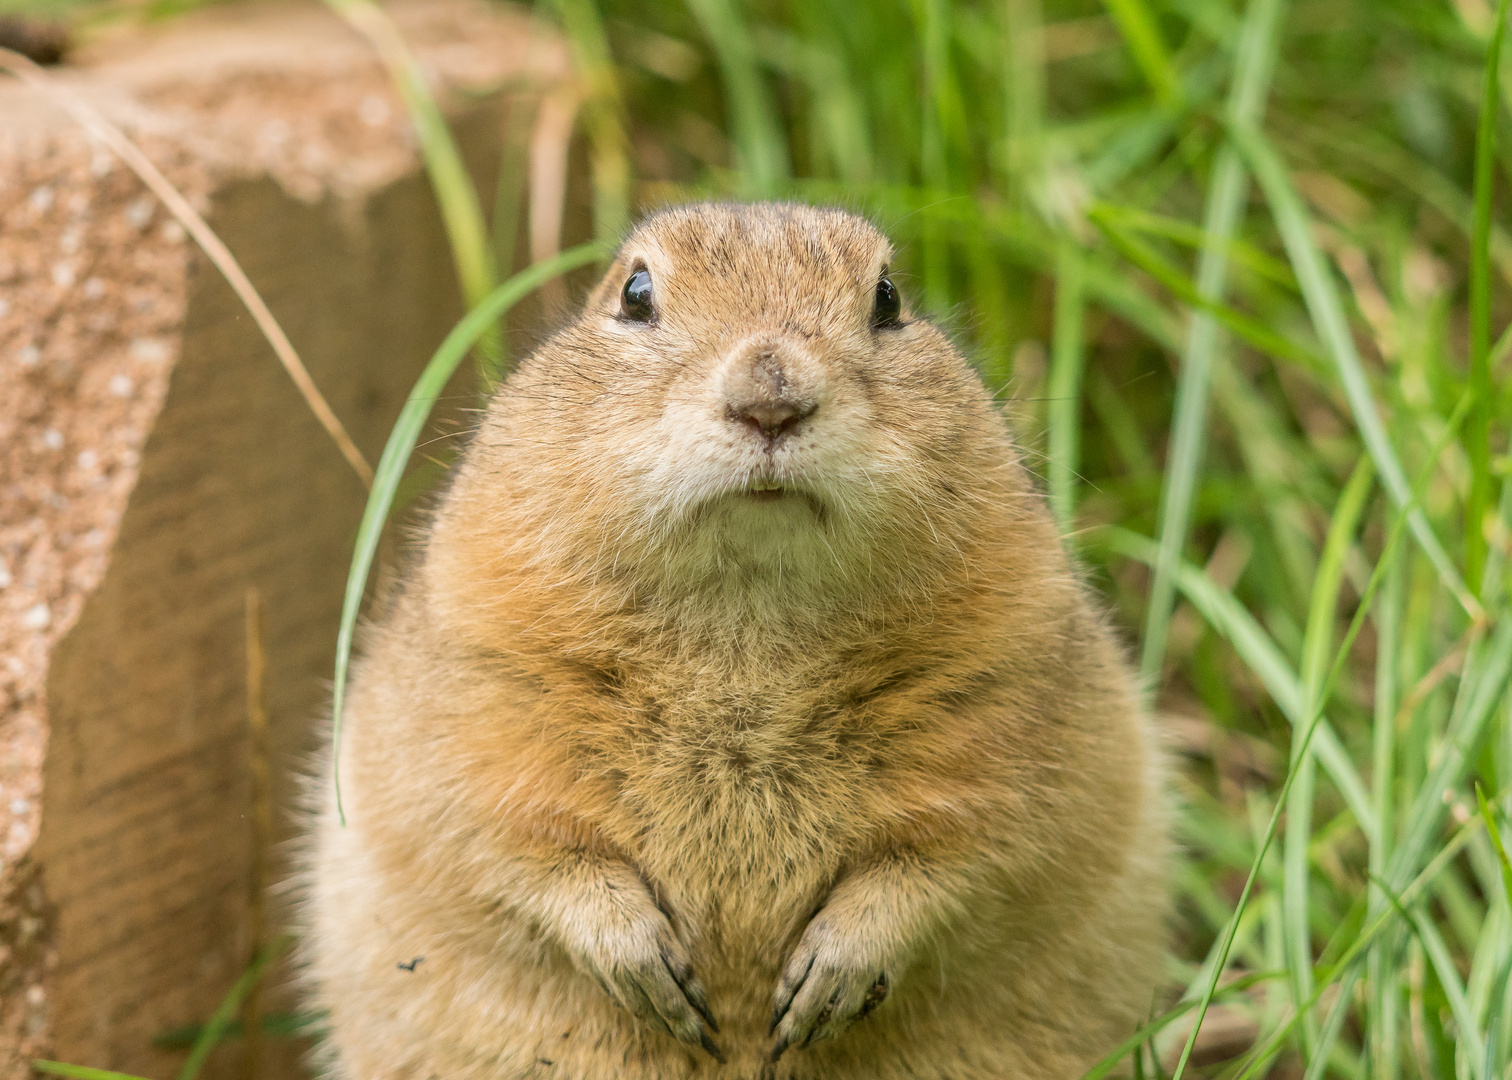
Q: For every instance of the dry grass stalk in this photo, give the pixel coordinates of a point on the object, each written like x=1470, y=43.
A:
x=112, y=137
x=262, y=824
x=549, y=144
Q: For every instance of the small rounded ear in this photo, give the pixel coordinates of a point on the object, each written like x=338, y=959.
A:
x=604, y=299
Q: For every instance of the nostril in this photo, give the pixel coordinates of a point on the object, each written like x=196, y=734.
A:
x=770, y=416
x=773, y=418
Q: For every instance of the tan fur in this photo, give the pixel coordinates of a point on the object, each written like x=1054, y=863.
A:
x=633, y=739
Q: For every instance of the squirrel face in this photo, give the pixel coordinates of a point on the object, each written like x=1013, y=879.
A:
x=745, y=402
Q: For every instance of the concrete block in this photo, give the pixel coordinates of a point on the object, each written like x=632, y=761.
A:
x=155, y=461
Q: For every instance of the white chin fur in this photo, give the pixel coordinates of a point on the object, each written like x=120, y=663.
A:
x=712, y=505
x=739, y=541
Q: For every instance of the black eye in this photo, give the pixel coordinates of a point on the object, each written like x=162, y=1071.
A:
x=635, y=299
x=888, y=307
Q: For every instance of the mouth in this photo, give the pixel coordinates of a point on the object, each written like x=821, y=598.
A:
x=774, y=496
x=765, y=490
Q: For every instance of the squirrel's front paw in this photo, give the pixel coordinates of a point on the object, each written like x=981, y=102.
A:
x=829, y=983
x=641, y=965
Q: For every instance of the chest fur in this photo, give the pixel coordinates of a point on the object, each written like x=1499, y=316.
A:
x=733, y=786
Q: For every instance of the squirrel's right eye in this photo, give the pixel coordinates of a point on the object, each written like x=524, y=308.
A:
x=887, y=308
x=635, y=299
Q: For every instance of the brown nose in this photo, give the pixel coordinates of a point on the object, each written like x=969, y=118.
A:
x=773, y=419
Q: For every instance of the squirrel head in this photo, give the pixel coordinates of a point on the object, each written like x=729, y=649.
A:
x=746, y=408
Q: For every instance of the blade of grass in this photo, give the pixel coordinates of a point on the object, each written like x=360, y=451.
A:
x=932, y=23
x=1381, y=1033
x=401, y=442
x=760, y=147
x=1250, y=329
x=1478, y=431
x=840, y=136
x=603, y=115
x=1024, y=240
x=1067, y=365
x=1257, y=811
x=458, y=199
x=1491, y=948
x=1154, y=1027
x=216, y=251
x=1023, y=82
x=1227, y=940
x=1317, y=644
x=509, y=185
x=1109, y=283
x=1327, y=312
x=1494, y=832
x=1323, y=977
x=1498, y=1026
x=1308, y=730
x=1130, y=149
x=1468, y=1036
x=79, y=1072
x=225, y=1014
x=1226, y=615
x=1118, y=421
x=1226, y=196
x=1502, y=349
x=509, y=203
x=278, y=1025
x=1318, y=1061
x=1237, y=249
x=1417, y=176
x=1253, y=936
x=1493, y=588
x=1277, y=462
x=1142, y=35
x=1485, y=675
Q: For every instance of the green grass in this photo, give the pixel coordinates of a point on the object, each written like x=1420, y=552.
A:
x=1235, y=268
x=401, y=445
x=205, y=1038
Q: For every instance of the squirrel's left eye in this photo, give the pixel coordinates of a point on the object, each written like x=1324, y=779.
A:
x=635, y=298
x=888, y=307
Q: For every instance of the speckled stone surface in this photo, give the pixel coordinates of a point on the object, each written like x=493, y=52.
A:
x=155, y=460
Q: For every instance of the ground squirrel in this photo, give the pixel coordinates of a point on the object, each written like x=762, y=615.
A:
x=742, y=715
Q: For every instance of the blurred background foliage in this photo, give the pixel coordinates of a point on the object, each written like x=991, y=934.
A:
x=1232, y=268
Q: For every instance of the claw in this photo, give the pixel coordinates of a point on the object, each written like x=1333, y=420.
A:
x=824, y=1015
x=604, y=986
x=780, y=1007
x=700, y=1003
x=702, y=1007
x=798, y=1018
x=874, y=997
x=710, y=1048
x=693, y=992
